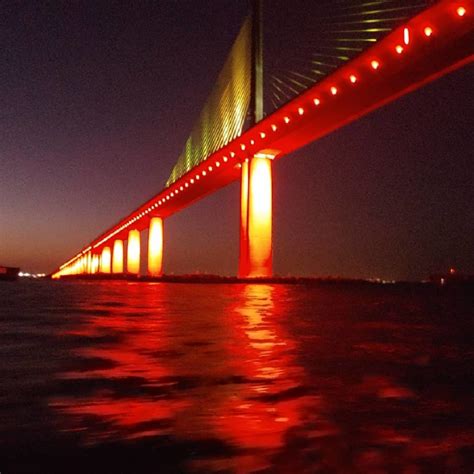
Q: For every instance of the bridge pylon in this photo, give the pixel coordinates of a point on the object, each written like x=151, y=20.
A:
x=255, y=258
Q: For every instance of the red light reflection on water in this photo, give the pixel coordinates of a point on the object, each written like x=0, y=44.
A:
x=219, y=367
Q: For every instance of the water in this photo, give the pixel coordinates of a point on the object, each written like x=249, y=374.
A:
x=129, y=377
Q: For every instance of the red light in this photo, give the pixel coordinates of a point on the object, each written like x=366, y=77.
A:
x=428, y=31
x=375, y=64
x=461, y=11
x=353, y=78
x=333, y=90
x=399, y=49
x=406, y=35
x=287, y=119
x=316, y=101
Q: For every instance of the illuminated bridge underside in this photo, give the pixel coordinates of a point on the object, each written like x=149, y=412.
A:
x=433, y=43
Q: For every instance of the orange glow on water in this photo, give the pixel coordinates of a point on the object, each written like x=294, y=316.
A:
x=117, y=258
x=105, y=260
x=259, y=219
x=133, y=252
x=155, y=247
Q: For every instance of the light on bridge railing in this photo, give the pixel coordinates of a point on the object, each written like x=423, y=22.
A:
x=217, y=164
x=287, y=119
x=262, y=135
x=242, y=146
x=224, y=159
x=252, y=142
x=428, y=31
x=461, y=11
x=406, y=36
x=300, y=110
x=191, y=181
x=333, y=90
x=375, y=64
x=197, y=177
x=210, y=168
x=399, y=49
x=204, y=173
x=316, y=102
x=353, y=78
x=274, y=127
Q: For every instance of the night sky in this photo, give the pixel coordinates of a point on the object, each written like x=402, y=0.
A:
x=97, y=100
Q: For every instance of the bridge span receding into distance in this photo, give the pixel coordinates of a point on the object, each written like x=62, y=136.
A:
x=428, y=45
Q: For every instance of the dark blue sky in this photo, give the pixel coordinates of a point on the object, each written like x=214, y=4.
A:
x=97, y=100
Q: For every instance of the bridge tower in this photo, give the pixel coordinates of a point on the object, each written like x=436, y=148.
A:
x=255, y=259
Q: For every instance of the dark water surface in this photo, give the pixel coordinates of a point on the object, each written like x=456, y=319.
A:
x=126, y=377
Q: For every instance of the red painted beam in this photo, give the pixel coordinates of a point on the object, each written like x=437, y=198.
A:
x=431, y=44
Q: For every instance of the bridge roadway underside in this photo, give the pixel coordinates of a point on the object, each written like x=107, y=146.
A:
x=431, y=44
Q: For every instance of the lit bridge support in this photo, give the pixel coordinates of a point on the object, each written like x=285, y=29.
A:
x=256, y=218
x=133, y=252
x=155, y=247
x=117, y=257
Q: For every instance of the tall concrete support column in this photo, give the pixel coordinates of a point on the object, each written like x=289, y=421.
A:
x=89, y=262
x=117, y=257
x=95, y=263
x=133, y=252
x=256, y=218
x=105, y=260
x=155, y=247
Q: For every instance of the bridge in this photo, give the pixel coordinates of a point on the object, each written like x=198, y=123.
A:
x=436, y=40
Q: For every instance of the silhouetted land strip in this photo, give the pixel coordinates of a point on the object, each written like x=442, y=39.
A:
x=309, y=281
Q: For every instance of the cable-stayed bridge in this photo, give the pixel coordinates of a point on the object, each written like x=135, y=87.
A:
x=366, y=54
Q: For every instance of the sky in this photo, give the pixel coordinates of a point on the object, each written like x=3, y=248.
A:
x=97, y=100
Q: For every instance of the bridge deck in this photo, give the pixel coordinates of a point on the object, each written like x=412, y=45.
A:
x=440, y=40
